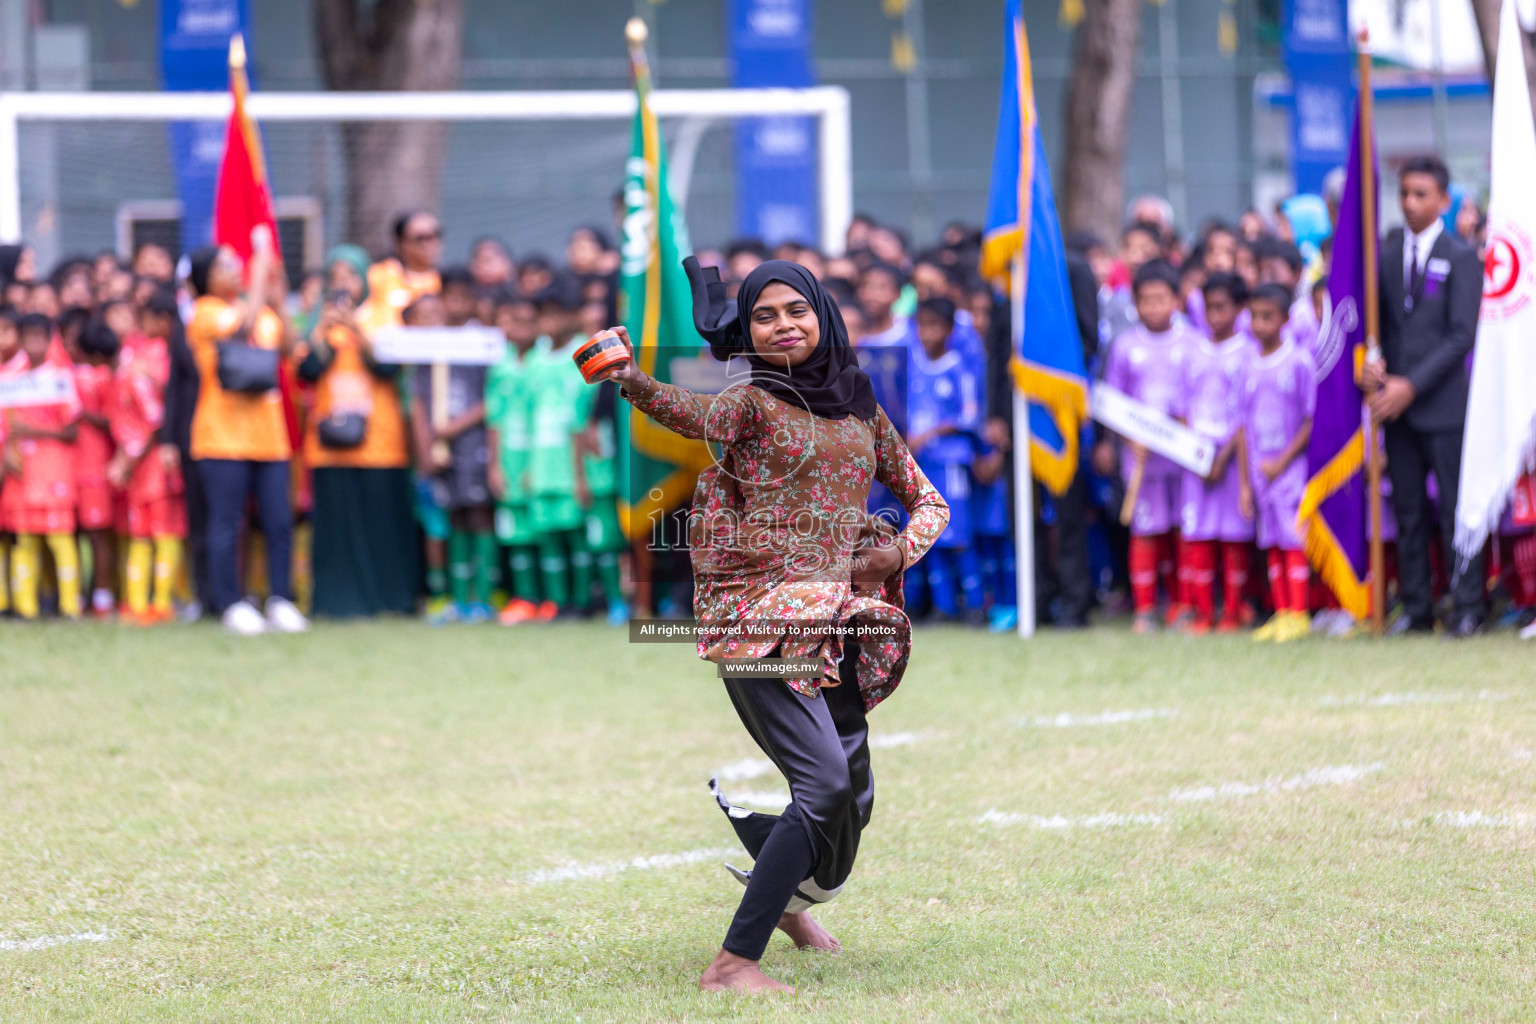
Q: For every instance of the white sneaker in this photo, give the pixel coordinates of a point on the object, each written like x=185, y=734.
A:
x=1529, y=632
x=283, y=616
x=242, y=619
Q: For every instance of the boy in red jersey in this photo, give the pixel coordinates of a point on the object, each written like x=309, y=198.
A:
x=39, y=457
x=96, y=351
x=157, y=513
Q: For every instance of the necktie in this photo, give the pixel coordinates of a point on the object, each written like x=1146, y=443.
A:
x=1413, y=270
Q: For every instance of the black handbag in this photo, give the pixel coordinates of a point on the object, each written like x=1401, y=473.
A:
x=246, y=368
x=343, y=430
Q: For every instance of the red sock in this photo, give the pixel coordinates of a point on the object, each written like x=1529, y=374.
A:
x=1523, y=562
x=1184, y=571
x=1276, y=564
x=1298, y=579
x=1234, y=580
x=1167, y=566
x=1144, y=573
x=1200, y=571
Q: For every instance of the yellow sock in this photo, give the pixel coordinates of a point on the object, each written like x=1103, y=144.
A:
x=66, y=563
x=167, y=557
x=303, y=566
x=26, y=555
x=255, y=566
x=140, y=554
x=5, y=574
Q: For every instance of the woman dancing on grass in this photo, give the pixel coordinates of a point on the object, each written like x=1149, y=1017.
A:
x=788, y=564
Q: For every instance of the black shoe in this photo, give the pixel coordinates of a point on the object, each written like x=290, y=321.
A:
x=1462, y=626
x=1406, y=623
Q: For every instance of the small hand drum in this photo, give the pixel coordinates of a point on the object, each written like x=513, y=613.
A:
x=598, y=356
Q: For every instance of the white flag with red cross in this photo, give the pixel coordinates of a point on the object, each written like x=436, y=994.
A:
x=1500, y=442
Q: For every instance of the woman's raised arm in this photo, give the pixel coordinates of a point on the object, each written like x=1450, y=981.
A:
x=721, y=418
x=927, y=510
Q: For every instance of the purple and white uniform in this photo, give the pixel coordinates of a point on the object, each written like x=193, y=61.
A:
x=1150, y=368
x=1303, y=326
x=1214, y=374
x=1279, y=395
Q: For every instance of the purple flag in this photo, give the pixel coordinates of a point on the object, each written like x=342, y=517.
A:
x=1333, y=518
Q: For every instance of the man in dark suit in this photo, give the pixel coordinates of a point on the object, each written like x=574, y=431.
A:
x=1431, y=286
x=1070, y=585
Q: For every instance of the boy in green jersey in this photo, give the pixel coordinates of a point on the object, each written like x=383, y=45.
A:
x=597, y=474
x=508, y=407
x=555, y=386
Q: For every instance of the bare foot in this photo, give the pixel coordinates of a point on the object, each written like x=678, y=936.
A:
x=728, y=972
x=806, y=932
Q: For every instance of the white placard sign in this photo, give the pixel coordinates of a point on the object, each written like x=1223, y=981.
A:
x=471, y=345
x=37, y=387
x=1138, y=422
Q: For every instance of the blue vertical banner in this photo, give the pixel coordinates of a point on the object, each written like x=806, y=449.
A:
x=194, y=57
x=1315, y=41
x=769, y=45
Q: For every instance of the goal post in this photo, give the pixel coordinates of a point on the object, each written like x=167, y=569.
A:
x=828, y=105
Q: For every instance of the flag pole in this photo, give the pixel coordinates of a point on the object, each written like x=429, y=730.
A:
x=1023, y=477
x=644, y=559
x=1372, y=327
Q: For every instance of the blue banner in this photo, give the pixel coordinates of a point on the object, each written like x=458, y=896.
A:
x=769, y=45
x=194, y=57
x=1315, y=40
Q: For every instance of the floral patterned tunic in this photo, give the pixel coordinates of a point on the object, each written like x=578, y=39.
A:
x=775, y=523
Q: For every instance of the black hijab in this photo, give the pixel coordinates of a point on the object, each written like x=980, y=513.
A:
x=828, y=383
x=10, y=258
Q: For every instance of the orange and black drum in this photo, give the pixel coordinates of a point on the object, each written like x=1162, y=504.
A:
x=598, y=356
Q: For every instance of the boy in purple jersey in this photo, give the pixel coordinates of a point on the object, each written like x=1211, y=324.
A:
x=1212, y=518
x=1278, y=399
x=1147, y=363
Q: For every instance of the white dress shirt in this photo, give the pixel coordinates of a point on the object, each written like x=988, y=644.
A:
x=1417, y=247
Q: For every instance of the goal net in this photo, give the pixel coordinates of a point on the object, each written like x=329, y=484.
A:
x=84, y=172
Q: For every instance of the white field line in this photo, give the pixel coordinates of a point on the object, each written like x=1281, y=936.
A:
x=753, y=767
x=1392, y=700
x=49, y=941
x=887, y=740
x=746, y=768
x=1058, y=821
x=1333, y=775
x=572, y=872
x=761, y=799
x=1481, y=819
x=1066, y=720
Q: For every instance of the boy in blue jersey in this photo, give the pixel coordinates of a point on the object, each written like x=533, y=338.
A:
x=944, y=411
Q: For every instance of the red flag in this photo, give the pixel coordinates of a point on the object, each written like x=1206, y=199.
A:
x=242, y=200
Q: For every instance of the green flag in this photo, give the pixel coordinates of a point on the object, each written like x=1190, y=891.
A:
x=658, y=467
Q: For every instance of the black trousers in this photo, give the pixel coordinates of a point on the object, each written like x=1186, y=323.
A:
x=227, y=485
x=1072, y=582
x=1411, y=456
x=821, y=745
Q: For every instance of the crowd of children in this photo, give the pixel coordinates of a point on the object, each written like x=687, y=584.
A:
x=515, y=469
x=90, y=507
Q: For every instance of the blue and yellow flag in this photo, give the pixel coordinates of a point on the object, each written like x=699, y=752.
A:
x=1022, y=227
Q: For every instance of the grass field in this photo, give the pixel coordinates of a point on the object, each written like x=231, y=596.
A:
x=389, y=823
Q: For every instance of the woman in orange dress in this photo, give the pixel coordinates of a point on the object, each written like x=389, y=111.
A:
x=789, y=565
x=240, y=442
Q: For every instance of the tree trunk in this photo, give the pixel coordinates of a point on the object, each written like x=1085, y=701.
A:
x=1098, y=114
x=1487, y=14
x=408, y=45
